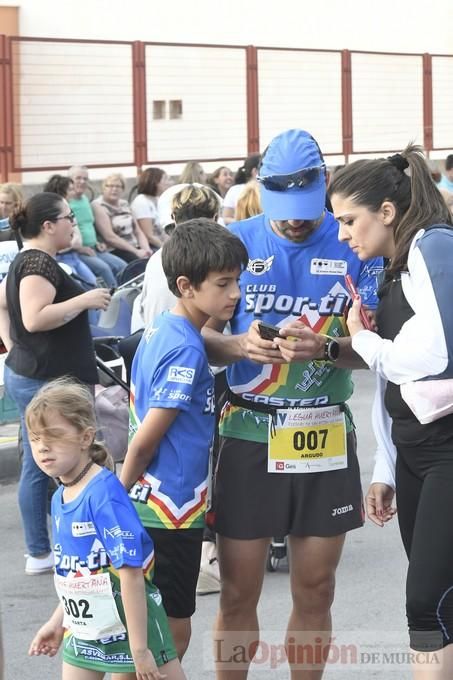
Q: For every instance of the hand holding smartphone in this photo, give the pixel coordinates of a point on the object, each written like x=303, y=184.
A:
x=353, y=293
x=268, y=331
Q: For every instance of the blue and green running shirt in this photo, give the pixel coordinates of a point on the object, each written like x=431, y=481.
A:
x=170, y=370
x=287, y=281
x=100, y=532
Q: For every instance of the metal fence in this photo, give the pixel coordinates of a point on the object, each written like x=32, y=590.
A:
x=110, y=103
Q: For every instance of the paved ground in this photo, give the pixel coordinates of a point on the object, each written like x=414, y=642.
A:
x=368, y=611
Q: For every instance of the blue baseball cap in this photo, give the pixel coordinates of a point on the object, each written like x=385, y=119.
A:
x=292, y=177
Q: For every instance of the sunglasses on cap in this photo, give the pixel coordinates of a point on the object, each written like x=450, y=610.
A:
x=298, y=179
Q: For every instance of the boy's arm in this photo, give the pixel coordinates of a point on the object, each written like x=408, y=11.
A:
x=145, y=442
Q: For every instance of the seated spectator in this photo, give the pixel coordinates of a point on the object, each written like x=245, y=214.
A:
x=192, y=173
x=447, y=178
x=246, y=173
x=64, y=186
x=115, y=222
x=221, y=180
x=249, y=202
x=92, y=252
x=11, y=199
x=151, y=184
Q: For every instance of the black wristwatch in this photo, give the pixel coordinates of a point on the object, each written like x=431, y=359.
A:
x=331, y=350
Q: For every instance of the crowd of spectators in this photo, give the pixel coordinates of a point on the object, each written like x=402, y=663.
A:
x=111, y=230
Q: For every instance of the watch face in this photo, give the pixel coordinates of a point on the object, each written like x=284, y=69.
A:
x=333, y=350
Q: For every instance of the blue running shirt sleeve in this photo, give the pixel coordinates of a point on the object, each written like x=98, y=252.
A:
x=121, y=533
x=176, y=378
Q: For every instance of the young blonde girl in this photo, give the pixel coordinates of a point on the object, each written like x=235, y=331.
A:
x=110, y=616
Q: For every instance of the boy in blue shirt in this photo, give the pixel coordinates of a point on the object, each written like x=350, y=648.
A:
x=172, y=410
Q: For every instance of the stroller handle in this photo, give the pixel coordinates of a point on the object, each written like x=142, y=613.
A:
x=108, y=371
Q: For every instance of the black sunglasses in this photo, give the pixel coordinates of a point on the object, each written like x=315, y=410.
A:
x=299, y=179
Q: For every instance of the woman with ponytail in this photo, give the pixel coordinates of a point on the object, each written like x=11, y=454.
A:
x=44, y=326
x=110, y=613
x=391, y=207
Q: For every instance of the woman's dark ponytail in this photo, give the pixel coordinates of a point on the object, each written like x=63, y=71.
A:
x=28, y=221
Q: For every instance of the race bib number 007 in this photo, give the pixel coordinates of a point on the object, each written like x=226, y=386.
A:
x=307, y=440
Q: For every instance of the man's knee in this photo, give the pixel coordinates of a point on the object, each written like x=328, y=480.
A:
x=313, y=594
x=238, y=596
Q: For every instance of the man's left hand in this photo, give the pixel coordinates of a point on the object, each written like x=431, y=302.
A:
x=298, y=343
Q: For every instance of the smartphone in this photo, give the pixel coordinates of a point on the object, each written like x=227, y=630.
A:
x=353, y=292
x=268, y=331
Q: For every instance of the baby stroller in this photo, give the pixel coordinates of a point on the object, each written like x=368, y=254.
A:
x=114, y=355
x=112, y=398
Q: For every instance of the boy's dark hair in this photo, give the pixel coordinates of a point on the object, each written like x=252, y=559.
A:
x=198, y=247
x=449, y=162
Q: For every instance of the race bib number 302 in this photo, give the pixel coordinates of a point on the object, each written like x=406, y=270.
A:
x=89, y=607
x=307, y=440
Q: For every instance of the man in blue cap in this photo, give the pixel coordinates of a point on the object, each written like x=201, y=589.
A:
x=287, y=464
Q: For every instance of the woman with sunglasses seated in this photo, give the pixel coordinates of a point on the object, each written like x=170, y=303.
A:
x=116, y=224
x=44, y=326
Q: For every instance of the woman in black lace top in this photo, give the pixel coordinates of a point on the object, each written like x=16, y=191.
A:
x=44, y=326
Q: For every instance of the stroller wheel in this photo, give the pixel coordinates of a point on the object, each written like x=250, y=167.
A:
x=277, y=552
x=272, y=561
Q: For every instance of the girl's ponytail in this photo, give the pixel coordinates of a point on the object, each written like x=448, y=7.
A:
x=101, y=456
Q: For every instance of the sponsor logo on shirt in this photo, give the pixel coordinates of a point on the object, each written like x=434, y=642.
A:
x=113, y=638
x=177, y=395
x=341, y=511
x=157, y=597
x=181, y=374
x=57, y=522
x=83, y=529
x=332, y=267
x=259, y=267
x=159, y=392
x=96, y=559
x=121, y=549
x=117, y=532
x=283, y=402
x=263, y=298
x=149, y=332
